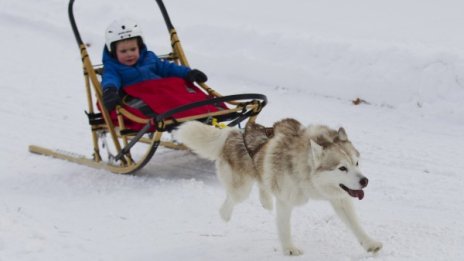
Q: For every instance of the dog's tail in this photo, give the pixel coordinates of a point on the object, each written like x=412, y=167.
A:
x=205, y=140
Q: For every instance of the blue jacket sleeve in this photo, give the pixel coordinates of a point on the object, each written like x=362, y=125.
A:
x=111, y=78
x=167, y=69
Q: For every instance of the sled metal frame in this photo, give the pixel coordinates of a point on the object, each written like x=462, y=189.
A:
x=241, y=106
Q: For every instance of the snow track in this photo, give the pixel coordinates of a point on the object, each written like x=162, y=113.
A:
x=311, y=59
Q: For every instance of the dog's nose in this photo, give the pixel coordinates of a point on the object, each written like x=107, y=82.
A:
x=363, y=182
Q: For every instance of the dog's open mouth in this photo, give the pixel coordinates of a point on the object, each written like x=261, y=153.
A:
x=354, y=193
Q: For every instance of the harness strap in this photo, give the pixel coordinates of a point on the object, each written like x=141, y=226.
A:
x=269, y=132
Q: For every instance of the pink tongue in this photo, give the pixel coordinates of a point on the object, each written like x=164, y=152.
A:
x=357, y=194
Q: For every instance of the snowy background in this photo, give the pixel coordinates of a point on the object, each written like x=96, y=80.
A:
x=311, y=58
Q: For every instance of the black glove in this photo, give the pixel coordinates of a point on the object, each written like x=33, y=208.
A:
x=111, y=98
x=196, y=76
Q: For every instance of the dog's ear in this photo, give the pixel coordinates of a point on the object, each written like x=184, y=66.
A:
x=316, y=151
x=342, y=134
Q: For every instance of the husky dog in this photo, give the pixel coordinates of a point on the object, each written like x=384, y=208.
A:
x=289, y=161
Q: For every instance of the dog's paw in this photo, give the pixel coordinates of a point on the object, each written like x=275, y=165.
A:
x=267, y=205
x=226, y=213
x=292, y=251
x=266, y=200
x=372, y=246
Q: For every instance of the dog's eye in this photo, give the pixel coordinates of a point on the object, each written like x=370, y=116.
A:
x=357, y=163
x=343, y=168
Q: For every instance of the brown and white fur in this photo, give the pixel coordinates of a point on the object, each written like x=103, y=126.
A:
x=294, y=165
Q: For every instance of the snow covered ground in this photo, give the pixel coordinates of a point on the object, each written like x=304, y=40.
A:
x=311, y=58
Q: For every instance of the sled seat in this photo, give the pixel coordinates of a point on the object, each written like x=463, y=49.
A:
x=150, y=99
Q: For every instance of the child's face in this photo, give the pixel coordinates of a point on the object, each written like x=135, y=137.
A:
x=127, y=52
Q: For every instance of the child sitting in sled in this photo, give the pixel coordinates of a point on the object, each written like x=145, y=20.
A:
x=127, y=61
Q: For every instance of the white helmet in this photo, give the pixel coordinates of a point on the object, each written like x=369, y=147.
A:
x=122, y=29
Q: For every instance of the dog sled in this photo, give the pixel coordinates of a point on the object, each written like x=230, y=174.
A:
x=125, y=139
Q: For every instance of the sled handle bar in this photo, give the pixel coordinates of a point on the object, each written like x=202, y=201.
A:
x=165, y=14
x=73, y=23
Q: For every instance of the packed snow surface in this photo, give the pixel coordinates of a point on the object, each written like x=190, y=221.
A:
x=405, y=58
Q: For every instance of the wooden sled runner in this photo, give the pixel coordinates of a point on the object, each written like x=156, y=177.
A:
x=126, y=139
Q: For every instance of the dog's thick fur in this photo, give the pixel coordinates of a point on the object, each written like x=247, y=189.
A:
x=295, y=164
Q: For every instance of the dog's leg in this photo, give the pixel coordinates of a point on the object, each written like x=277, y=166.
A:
x=265, y=198
x=235, y=194
x=345, y=210
x=284, y=212
x=226, y=209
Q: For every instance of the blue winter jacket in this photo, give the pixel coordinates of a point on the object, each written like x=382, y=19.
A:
x=148, y=67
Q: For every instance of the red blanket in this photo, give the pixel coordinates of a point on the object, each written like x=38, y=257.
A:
x=162, y=95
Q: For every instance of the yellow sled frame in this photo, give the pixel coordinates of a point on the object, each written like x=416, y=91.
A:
x=242, y=106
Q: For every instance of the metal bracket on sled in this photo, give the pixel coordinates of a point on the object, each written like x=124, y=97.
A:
x=133, y=141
